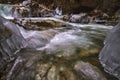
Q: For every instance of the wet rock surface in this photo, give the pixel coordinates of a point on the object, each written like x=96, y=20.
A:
x=39, y=24
x=56, y=49
x=89, y=71
x=34, y=65
x=111, y=48
x=53, y=53
x=9, y=39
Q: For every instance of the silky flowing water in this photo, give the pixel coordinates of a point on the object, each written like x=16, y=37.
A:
x=60, y=47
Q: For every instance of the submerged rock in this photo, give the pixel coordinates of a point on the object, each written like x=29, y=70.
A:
x=109, y=55
x=34, y=65
x=88, y=71
x=24, y=66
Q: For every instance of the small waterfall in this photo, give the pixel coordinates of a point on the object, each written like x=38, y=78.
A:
x=6, y=11
x=37, y=39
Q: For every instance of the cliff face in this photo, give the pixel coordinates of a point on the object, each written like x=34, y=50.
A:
x=74, y=6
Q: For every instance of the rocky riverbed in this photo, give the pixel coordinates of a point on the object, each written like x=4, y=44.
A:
x=51, y=47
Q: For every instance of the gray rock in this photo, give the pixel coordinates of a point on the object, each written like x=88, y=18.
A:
x=88, y=71
x=80, y=18
x=109, y=55
x=11, y=40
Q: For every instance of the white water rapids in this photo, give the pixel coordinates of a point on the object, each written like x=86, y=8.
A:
x=62, y=41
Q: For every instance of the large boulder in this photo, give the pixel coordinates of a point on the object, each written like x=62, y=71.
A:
x=11, y=40
x=109, y=55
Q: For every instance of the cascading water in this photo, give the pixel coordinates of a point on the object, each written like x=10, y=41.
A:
x=67, y=42
x=37, y=39
x=6, y=11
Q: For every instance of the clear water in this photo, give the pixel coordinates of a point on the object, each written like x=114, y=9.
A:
x=65, y=42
